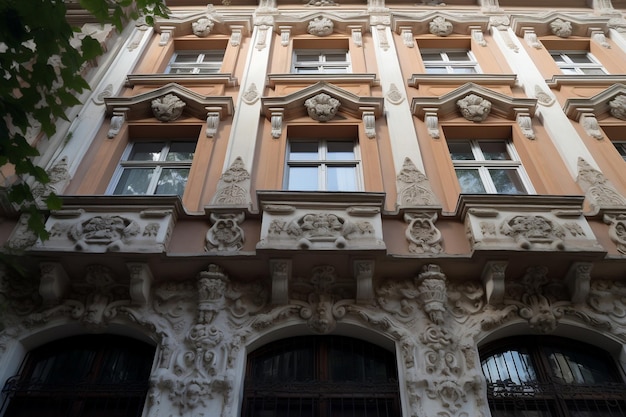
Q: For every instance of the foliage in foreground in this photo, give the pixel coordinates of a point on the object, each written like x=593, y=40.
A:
x=40, y=79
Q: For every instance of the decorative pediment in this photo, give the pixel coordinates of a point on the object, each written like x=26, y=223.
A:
x=288, y=24
x=422, y=23
x=293, y=105
x=219, y=23
x=559, y=24
x=195, y=105
x=608, y=103
x=447, y=106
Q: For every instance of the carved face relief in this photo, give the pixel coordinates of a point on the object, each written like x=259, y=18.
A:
x=474, y=108
x=533, y=229
x=440, y=26
x=322, y=107
x=618, y=107
x=168, y=108
x=202, y=27
x=112, y=231
x=561, y=28
x=321, y=26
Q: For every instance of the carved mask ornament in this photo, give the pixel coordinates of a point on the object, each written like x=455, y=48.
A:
x=618, y=107
x=202, y=27
x=168, y=108
x=322, y=107
x=321, y=26
x=474, y=108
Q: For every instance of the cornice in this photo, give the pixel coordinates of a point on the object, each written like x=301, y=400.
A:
x=227, y=79
x=274, y=79
x=326, y=200
x=598, y=105
x=582, y=23
x=571, y=205
x=558, y=81
x=455, y=79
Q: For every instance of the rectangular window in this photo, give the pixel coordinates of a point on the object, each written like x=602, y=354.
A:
x=578, y=62
x=449, y=61
x=488, y=167
x=150, y=167
x=322, y=165
x=195, y=62
x=621, y=148
x=328, y=61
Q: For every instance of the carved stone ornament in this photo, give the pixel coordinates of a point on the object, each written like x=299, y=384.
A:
x=316, y=228
x=168, y=108
x=618, y=107
x=617, y=230
x=202, y=27
x=322, y=107
x=526, y=125
x=422, y=234
x=413, y=186
x=542, y=97
x=394, y=95
x=598, y=189
x=439, y=26
x=111, y=232
x=500, y=22
x=431, y=287
x=233, y=186
x=561, y=28
x=225, y=235
x=591, y=125
x=320, y=26
x=618, y=24
x=58, y=176
x=474, y=108
x=527, y=230
x=531, y=39
x=320, y=3
x=22, y=237
x=251, y=95
x=117, y=121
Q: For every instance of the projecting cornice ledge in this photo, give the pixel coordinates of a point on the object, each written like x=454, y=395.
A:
x=601, y=106
x=558, y=81
x=134, y=80
x=480, y=79
x=274, y=79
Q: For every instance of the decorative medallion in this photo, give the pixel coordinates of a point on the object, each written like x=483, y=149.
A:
x=322, y=107
x=168, y=108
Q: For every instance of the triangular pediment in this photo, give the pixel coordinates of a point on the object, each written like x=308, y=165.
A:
x=582, y=25
x=598, y=105
x=445, y=107
x=196, y=105
x=292, y=105
x=298, y=23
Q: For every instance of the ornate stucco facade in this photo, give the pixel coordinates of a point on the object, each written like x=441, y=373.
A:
x=406, y=260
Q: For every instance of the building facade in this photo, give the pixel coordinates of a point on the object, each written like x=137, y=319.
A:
x=292, y=208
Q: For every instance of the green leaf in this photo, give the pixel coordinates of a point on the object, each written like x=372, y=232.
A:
x=91, y=48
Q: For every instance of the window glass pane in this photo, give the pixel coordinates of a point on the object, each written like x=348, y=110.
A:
x=464, y=70
x=580, y=58
x=341, y=179
x=576, y=367
x=213, y=57
x=569, y=71
x=134, y=181
x=436, y=70
x=494, y=151
x=302, y=57
x=303, y=178
x=593, y=71
x=621, y=148
x=507, y=181
x=336, y=57
x=181, y=151
x=303, y=151
x=337, y=150
x=146, y=151
x=432, y=57
x=558, y=57
x=470, y=181
x=186, y=58
x=511, y=366
x=458, y=56
x=172, y=181
x=460, y=151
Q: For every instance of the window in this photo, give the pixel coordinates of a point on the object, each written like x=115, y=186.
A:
x=329, y=61
x=551, y=377
x=449, y=61
x=154, y=168
x=577, y=62
x=488, y=166
x=315, y=376
x=621, y=148
x=82, y=376
x=322, y=165
x=195, y=62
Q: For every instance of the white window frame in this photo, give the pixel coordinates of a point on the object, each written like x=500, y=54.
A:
x=321, y=66
x=568, y=66
x=322, y=163
x=620, y=146
x=450, y=65
x=483, y=165
x=199, y=66
x=156, y=165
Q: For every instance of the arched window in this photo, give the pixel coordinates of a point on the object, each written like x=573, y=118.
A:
x=551, y=377
x=82, y=376
x=321, y=376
